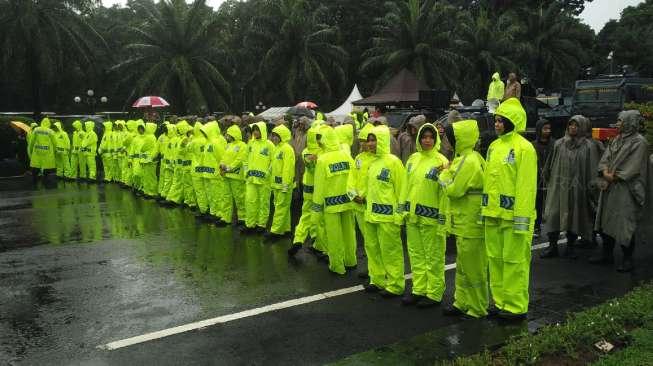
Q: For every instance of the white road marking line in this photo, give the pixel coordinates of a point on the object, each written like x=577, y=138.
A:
x=253, y=312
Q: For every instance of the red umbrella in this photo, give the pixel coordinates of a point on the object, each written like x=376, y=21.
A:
x=307, y=104
x=150, y=102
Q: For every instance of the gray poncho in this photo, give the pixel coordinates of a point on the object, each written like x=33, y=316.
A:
x=570, y=171
x=621, y=202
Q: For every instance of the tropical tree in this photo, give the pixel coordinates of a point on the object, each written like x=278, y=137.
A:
x=556, y=45
x=416, y=35
x=41, y=39
x=489, y=44
x=302, y=55
x=176, y=53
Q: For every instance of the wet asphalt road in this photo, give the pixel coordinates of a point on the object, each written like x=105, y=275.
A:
x=83, y=265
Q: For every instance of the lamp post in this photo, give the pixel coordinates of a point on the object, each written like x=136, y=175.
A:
x=611, y=59
x=90, y=100
x=260, y=107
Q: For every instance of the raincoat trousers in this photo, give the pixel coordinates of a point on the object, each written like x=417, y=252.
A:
x=422, y=199
x=463, y=185
x=508, y=208
x=383, y=215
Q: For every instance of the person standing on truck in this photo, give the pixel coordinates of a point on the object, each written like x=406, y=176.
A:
x=513, y=87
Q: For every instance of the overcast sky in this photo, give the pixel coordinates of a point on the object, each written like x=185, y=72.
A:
x=596, y=13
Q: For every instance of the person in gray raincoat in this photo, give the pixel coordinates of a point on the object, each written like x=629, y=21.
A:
x=569, y=173
x=407, y=138
x=623, y=174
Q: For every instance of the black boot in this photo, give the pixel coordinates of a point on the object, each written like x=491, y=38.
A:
x=569, y=249
x=552, y=250
x=294, y=249
x=627, y=260
x=606, y=256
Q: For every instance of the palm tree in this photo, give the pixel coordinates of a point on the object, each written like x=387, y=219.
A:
x=556, y=46
x=301, y=52
x=46, y=35
x=416, y=35
x=488, y=43
x=176, y=54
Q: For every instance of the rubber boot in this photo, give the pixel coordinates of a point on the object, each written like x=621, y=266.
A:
x=570, y=252
x=606, y=256
x=627, y=260
x=552, y=250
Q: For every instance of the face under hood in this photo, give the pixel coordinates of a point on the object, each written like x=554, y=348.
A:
x=89, y=126
x=263, y=128
x=235, y=133
x=77, y=125
x=197, y=129
x=329, y=138
x=466, y=135
x=513, y=111
x=171, y=130
x=539, y=126
x=382, y=134
x=150, y=128
x=345, y=134
x=58, y=126
x=632, y=120
x=283, y=132
x=182, y=128
x=362, y=134
x=140, y=124
x=311, y=141
x=45, y=122
x=131, y=125
x=424, y=127
x=108, y=126
x=210, y=130
x=496, y=76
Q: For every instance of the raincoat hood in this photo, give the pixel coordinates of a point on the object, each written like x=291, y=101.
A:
x=345, y=134
x=417, y=121
x=513, y=111
x=58, y=126
x=329, y=138
x=362, y=134
x=197, y=129
x=140, y=123
x=466, y=134
x=171, y=130
x=382, y=134
x=33, y=125
x=283, y=132
x=89, y=126
x=150, y=128
x=496, y=77
x=182, y=128
x=263, y=128
x=131, y=125
x=539, y=126
x=235, y=133
x=77, y=125
x=311, y=141
x=211, y=130
x=429, y=126
x=632, y=120
x=108, y=126
x=45, y=122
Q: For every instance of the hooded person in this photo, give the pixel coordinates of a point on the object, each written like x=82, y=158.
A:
x=394, y=143
x=282, y=181
x=62, y=151
x=105, y=150
x=495, y=91
x=543, y=145
x=187, y=151
x=407, y=138
x=175, y=195
x=383, y=215
x=148, y=159
x=119, y=136
x=569, y=174
x=345, y=134
x=75, y=154
x=299, y=133
x=162, y=144
x=167, y=167
x=29, y=136
x=198, y=171
x=216, y=190
x=305, y=228
x=42, y=148
x=232, y=168
x=90, y=150
x=128, y=148
x=622, y=181
x=258, y=179
x=462, y=184
x=361, y=166
x=135, y=153
x=508, y=209
x=332, y=201
x=422, y=199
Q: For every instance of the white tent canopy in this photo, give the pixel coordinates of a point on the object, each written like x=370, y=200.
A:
x=346, y=108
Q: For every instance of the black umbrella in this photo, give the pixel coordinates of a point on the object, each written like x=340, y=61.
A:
x=300, y=111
